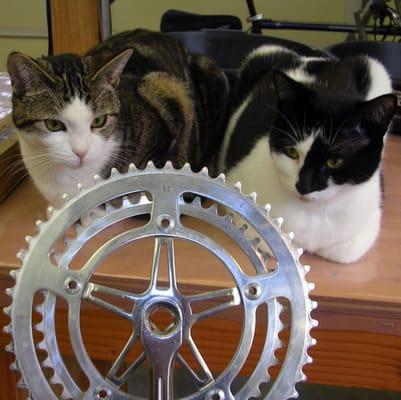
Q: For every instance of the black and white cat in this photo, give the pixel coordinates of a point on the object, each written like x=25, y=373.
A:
x=307, y=135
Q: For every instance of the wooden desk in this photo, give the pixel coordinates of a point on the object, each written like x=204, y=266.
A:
x=359, y=336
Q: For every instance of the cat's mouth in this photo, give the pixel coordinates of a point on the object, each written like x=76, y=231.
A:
x=305, y=197
x=314, y=196
x=80, y=163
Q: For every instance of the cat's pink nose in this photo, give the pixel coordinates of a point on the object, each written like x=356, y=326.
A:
x=81, y=154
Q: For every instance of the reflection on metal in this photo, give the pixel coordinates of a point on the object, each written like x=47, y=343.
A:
x=162, y=194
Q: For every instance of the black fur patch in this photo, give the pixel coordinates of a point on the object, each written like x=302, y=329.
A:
x=332, y=107
x=254, y=69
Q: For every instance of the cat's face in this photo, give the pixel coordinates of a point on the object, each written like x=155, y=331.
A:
x=65, y=109
x=323, y=142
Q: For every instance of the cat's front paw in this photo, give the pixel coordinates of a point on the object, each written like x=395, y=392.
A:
x=344, y=253
x=354, y=247
x=350, y=250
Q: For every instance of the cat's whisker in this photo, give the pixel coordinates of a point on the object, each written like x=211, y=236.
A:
x=285, y=119
x=338, y=131
x=133, y=145
x=21, y=178
x=17, y=173
x=331, y=125
x=285, y=133
x=119, y=157
x=11, y=167
x=39, y=168
x=347, y=142
x=8, y=158
x=125, y=156
x=299, y=132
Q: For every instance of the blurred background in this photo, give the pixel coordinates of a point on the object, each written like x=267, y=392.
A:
x=23, y=24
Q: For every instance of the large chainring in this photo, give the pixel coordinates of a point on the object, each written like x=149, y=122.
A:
x=166, y=195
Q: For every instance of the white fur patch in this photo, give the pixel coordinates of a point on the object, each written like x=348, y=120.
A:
x=230, y=130
x=341, y=229
x=300, y=75
x=268, y=49
x=51, y=158
x=381, y=84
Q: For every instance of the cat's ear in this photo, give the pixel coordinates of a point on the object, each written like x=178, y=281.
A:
x=26, y=74
x=111, y=71
x=380, y=110
x=288, y=90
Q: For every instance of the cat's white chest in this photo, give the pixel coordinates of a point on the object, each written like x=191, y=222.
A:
x=340, y=228
x=314, y=224
x=54, y=178
x=53, y=184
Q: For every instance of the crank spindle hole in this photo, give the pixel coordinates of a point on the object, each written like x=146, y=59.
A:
x=163, y=319
x=72, y=285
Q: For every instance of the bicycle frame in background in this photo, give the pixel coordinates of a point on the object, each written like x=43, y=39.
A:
x=379, y=10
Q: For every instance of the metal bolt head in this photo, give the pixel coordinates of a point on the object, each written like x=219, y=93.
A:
x=103, y=393
x=72, y=285
x=253, y=291
x=216, y=394
x=165, y=222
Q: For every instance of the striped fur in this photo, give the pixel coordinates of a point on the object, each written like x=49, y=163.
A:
x=159, y=103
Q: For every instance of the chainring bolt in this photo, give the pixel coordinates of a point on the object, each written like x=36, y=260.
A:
x=103, y=393
x=72, y=285
x=253, y=291
x=216, y=394
x=165, y=222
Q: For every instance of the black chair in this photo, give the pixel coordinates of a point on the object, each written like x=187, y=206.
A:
x=221, y=38
x=229, y=47
x=178, y=21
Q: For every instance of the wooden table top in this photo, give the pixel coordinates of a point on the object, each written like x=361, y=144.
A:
x=375, y=279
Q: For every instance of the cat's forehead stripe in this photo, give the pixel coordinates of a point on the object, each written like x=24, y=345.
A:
x=72, y=73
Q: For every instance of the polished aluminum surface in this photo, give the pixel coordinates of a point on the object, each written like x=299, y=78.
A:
x=160, y=193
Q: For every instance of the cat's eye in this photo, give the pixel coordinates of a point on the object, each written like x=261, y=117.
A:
x=54, y=125
x=291, y=152
x=99, y=121
x=334, y=163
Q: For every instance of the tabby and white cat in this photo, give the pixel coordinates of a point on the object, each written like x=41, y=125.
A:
x=136, y=97
x=307, y=135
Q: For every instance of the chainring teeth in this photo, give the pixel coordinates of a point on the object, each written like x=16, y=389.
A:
x=309, y=286
x=254, y=242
